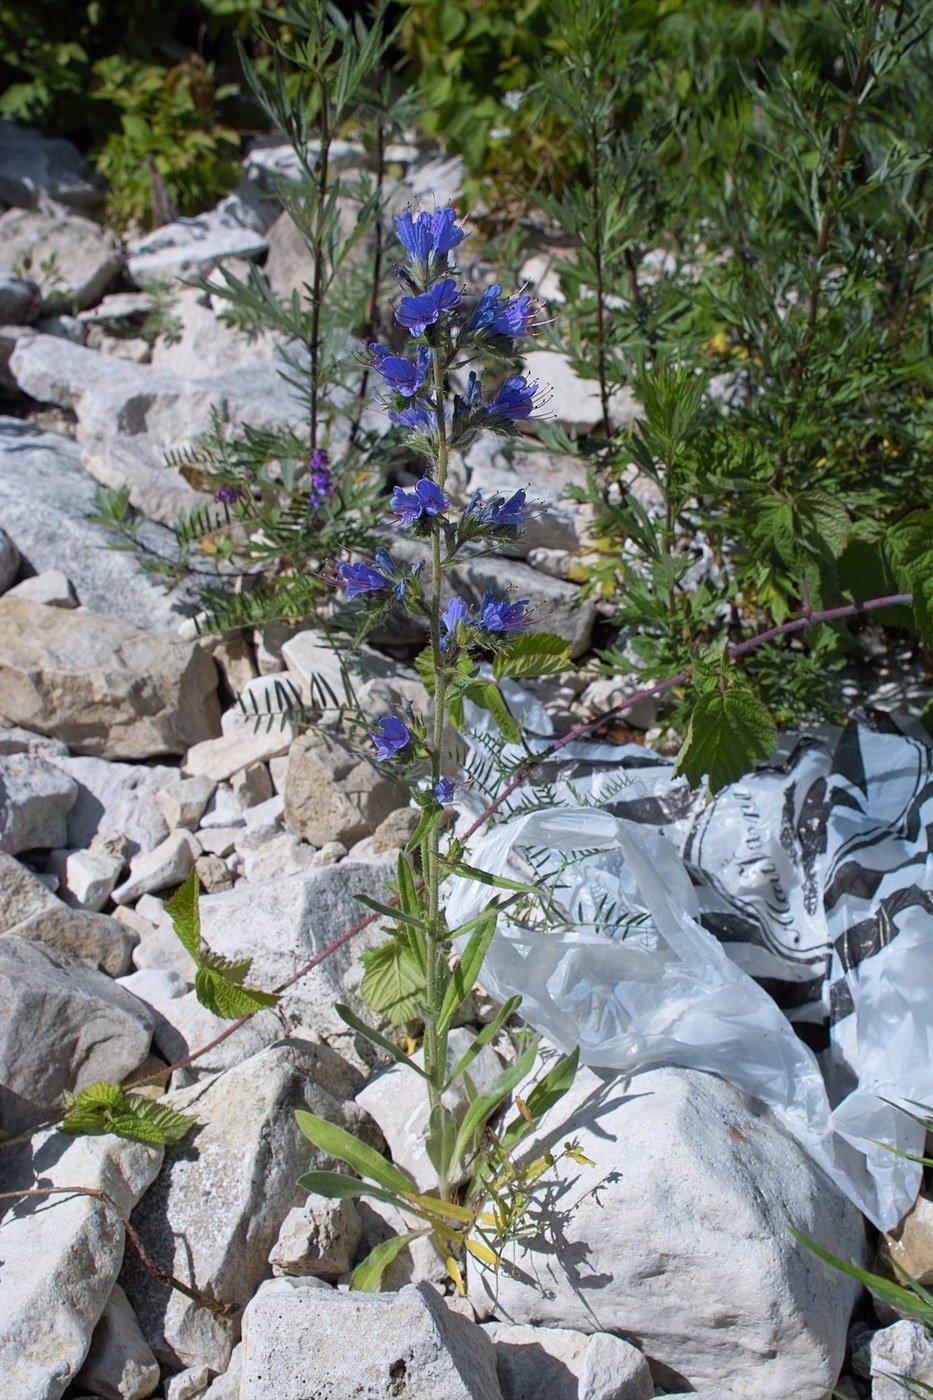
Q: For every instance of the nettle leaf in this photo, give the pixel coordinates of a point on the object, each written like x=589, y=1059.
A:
x=911, y=542
x=186, y=919
x=227, y=998
x=393, y=984
x=730, y=731
x=106, y=1108
x=533, y=654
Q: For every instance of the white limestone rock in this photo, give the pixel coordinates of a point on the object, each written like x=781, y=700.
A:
x=51, y=588
x=30, y=910
x=82, y=1028
x=106, y=688
x=169, y=863
x=115, y=799
x=183, y=1024
x=188, y=1384
x=73, y=260
x=318, y=1239
x=61, y=1256
x=575, y=402
x=190, y=248
x=559, y=1363
x=690, y=1171
x=39, y=171
x=182, y=802
x=20, y=298
x=219, y=759
x=120, y=1364
x=892, y=1354
x=86, y=878
x=9, y=561
x=407, y=1343
x=334, y=793
x=35, y=799
x=219, y=1202
x=154, y=985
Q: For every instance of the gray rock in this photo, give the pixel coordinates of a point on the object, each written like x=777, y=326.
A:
x=395, y=830
x=317, y=1239
x=184, y=1025
x=182, y=802
x=106, y=688
x=903, y=1351
x=558, y=1363
x=407, y=1343
x=169, y=863
x=35, y=799
x=217, y=1207
x=29, y=910
x=50, y=588
x=14, y=739
x=81, y=1028
x=20, y=297
x=574, y=401
x=64, y=326
x=9, y=561
x=61, y=1255
x=282, y=924
x=85, y=878
x=188, y=1384
x=116, y=797
x=47, y=497
x=690, y=1171
x=274, y=857
x=38, y=171
x=202, y=344
x=73, y=260
x=556, y=606
x=334, y=793
x=218, y=759
x=190, y=248
x=155, y=986
x=120, y=1364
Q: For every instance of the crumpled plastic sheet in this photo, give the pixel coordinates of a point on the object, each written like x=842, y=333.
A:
x=779, y=935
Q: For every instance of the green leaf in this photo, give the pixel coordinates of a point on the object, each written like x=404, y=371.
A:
x=465, y=973
x=370, y=1033
x=906, y=1301
x=532, y=654
x=441, y=1139
x=488, y=1101
x=393, y=912
x=473, y=872
x=337, y=1187
x=226, y=999
x=106, y=1108
x=489, y=697
x=407, y=890
x=182, y=908
x=911, y=542
x=548, y=1091
x=730, y=731
x=488, y=1033
x=367, y=1277
x=336, y=1141
x=392, y=984
x=430, y=816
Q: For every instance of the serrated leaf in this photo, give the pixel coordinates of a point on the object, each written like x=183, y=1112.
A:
x=231, y=970
x=225, y=999
x=911, y=542
x=729, y=732
x=182, y=908
x=106, y=1108
x=392, y=982
x=489, y=697
x=532, y=654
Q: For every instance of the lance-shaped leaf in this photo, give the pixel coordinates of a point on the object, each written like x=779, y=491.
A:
x=465, y=973
x=367, y=1277
x=548, y=1091
x=488, y=1101
x=336, y=1141
x=391, y=1049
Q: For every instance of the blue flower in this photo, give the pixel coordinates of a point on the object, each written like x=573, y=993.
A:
x=499, y=615
x=230, y=495
x=426, y=499
x=499, y=512
x=417, y=313
x=390, y=736
x=486, y=310
x=455, y=611
x=426, y=234
x=361, y=578
x=420, y=414
x=322, y=483
x=511, y=318
x=514, y=400
x=444, y=790
x=405, y=376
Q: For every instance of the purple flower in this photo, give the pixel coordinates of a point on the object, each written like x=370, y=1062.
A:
x=444, y=790
x=322, y=483
x=455, y=611
x=426, y=234
x=361, y=578
x=417, y=313
x=420, y=414
x=499, y=615
x=499, y=512
x=514, y=400
x=511, y=318
x=390, y=736
x=426, y=499
x=405, y=376
x=230, y=495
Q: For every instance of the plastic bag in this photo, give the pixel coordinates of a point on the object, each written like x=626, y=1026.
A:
x=813, y=875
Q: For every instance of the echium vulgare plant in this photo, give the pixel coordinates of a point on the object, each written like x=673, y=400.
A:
x=480, y=1196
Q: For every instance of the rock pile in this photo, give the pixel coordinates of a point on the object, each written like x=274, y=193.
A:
x=665, y=1267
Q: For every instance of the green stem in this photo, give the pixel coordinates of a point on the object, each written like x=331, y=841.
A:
x=317, y=285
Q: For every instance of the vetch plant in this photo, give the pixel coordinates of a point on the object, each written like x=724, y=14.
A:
x=480, y=1195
